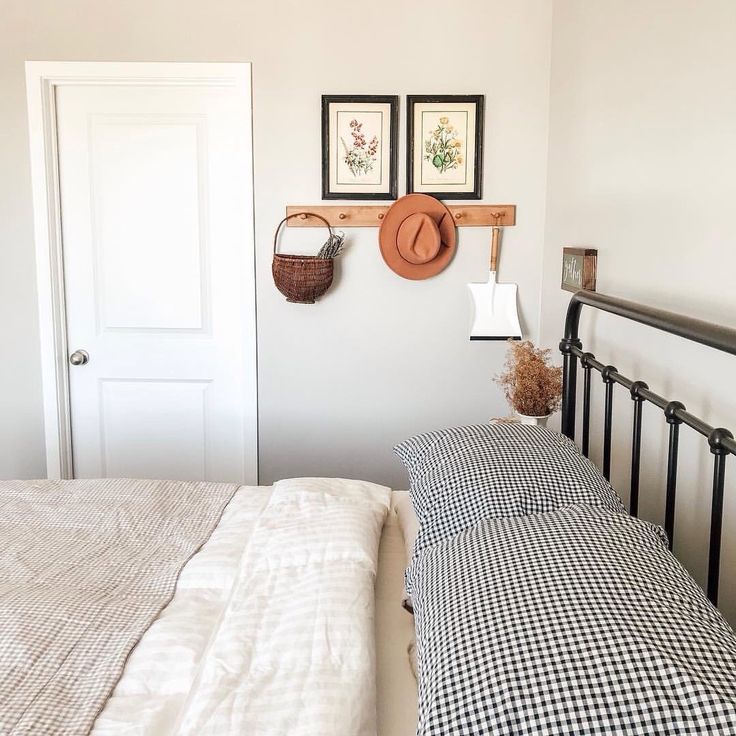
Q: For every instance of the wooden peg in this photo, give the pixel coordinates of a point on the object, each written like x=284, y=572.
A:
x=459, y=215
x=380, y=215
x=342, y=215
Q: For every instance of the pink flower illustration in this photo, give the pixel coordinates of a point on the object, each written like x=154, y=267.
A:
x=360, y=158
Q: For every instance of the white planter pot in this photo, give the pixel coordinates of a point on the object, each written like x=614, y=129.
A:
x=534, y=421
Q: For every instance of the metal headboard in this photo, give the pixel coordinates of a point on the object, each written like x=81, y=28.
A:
x=720, y=440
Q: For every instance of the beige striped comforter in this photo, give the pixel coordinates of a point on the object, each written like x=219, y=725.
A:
x=85, y=567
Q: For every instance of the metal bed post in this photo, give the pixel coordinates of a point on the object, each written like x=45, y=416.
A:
x=607, y=374
x=715, y=440
x=586, y=401
x=636, y=387
x=570, y=366
x=674, y=421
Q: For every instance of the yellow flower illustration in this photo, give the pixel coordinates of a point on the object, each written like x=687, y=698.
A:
x=442, y=146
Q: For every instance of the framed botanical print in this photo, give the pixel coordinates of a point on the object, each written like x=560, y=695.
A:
x=359, y=146
x=445, y=145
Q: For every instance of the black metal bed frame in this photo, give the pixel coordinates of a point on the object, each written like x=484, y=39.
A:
x=720, y=440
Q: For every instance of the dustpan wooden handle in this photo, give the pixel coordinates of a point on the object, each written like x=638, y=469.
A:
x=495, y=247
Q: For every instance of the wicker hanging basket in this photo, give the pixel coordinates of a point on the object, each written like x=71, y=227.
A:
x=301, y=279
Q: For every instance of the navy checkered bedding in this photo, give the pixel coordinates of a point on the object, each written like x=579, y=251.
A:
x=557, y=614
x=577, y=621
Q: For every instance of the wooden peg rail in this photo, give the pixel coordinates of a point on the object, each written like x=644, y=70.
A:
x=368, y=215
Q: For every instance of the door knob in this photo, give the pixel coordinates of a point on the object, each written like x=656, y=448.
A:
x=79, y=357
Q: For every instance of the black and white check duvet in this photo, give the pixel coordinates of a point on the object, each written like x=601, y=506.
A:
x=572, y=620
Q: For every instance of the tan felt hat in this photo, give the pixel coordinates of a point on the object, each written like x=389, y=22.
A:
x=417, y=236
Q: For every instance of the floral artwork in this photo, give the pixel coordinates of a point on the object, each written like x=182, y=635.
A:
x=443, y=148
x=359, y=147
x=360, y=156
x=445, y=145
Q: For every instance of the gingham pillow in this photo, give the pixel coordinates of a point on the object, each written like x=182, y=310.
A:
x=461, y=475
x=577, y=621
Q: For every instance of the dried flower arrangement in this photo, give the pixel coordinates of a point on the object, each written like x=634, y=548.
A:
x=531, y=385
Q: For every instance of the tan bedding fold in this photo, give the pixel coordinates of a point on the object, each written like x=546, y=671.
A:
x=85, y=568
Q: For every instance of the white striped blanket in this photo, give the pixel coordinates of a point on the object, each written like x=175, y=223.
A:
x=271, y=630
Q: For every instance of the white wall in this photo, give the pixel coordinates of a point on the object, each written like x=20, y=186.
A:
x=641, y=166
x=642, y=162
x=379, y=357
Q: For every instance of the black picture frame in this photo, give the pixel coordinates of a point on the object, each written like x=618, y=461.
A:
x=479, y=102
x=393, y=102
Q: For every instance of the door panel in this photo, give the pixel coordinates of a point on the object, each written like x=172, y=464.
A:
x=136, y=415
x=166, y=232
x=157, y=226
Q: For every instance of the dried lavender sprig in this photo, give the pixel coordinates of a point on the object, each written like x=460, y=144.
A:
x=333, y=247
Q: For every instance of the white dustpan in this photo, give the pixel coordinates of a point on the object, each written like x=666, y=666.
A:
x=495, y=315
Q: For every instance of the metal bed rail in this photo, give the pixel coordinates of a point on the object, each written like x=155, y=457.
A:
x=720, y=440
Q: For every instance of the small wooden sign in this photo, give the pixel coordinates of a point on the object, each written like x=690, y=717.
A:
x=579, y=268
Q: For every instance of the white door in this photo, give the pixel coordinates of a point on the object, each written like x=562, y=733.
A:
x=155, y=184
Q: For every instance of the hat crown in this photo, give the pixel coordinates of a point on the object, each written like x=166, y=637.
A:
x=418, y=239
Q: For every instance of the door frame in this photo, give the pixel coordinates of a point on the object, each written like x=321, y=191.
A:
x=42, y=80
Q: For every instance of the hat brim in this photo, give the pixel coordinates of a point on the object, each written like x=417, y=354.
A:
x=387, y=236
